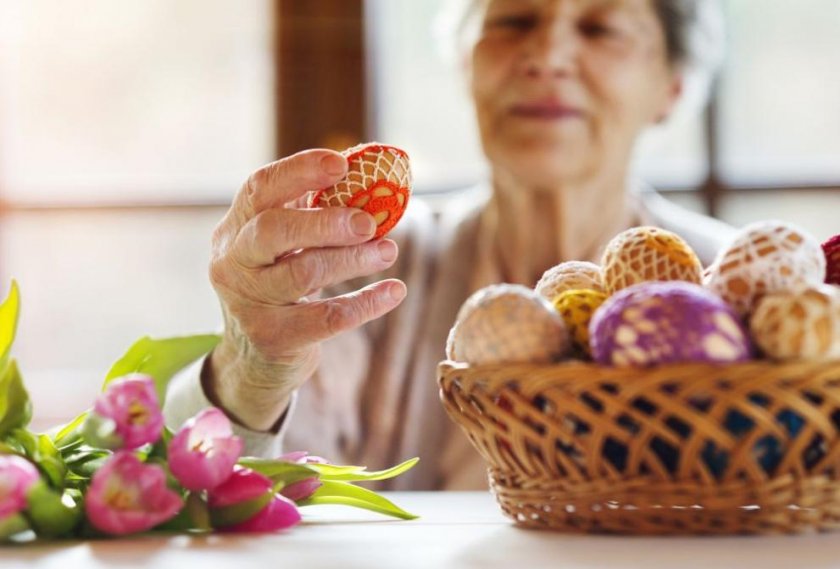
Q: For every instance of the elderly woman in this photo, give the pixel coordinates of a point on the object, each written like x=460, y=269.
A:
x=562, y=91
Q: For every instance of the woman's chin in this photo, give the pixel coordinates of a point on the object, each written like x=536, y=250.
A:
x=546, y=167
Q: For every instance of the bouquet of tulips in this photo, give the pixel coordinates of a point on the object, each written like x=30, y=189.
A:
x=117, y=469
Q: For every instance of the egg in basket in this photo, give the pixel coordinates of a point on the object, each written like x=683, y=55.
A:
x=648, y=396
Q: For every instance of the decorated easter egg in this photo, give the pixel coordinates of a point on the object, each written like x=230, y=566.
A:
x=801, y=324
x=576, y=307
x=378, y=181
x=666, y=322
x=507, y=323
x=765, y=257
x=643, y=254
x=570, y=275
x=831, y=248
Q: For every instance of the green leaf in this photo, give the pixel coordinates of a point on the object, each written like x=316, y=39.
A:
x=241, y=512
x=329, y=472
x=50, y=461
x=279, y=470
x=40, y=450
x=15, y=406
x=345, y=494
x=49, y=515
x=179, y=523
x=161, y=359
x=196, y=508
x=86, y=462
x=71, y=433
x=9, y=314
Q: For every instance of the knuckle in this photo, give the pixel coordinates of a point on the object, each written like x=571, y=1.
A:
x=305, y=273
x=263, y=226
x=370, y=305
x=358, y=258
x=259, y=178
x=338, y=316
x=219, y=274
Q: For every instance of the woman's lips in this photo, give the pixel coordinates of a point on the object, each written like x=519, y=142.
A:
x=548, y=110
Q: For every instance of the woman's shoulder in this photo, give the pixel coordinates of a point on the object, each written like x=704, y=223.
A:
x=706, y=235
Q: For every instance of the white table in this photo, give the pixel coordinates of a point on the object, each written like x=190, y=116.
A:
x=457, y=529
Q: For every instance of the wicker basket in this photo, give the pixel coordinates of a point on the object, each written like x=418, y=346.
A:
x=690, y=448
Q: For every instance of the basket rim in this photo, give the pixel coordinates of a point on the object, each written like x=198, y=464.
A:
x=605, y=373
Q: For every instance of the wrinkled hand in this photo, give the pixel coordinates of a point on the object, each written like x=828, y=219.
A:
x=269, y=254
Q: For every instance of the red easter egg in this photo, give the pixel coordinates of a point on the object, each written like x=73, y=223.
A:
x=378, y=181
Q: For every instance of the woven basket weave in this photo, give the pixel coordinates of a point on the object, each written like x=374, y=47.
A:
x=689, y=448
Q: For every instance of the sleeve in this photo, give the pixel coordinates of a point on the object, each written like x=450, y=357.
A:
x=185, y=397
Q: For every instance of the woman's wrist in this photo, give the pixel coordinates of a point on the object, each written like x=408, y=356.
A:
x=247, y=393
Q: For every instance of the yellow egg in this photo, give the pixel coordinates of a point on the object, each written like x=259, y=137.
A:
x=576, y=307
x=803, y=324
x=507, y=324
x=763, y=258
x=570, y=275
x=643, y=254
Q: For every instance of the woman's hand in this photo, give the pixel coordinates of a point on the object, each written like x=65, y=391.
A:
x=269, y=254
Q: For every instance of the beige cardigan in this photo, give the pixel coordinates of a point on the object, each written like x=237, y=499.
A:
x=374, y=400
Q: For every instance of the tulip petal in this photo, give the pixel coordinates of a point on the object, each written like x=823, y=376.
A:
x=279, y=514
x=131, y=402
x=301, y=490
x=17, y=476
x=127, y=496
x=243, y=484
x=203, y=452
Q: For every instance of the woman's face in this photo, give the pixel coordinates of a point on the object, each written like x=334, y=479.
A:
x=562, y=88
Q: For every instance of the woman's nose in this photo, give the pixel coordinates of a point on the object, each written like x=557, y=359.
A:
x=551, y=51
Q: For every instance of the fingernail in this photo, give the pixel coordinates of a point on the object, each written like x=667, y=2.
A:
x=333, y=165
x=387, y=251
x=362, y=223
x=397, y=291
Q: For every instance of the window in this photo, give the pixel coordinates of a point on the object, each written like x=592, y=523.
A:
x=133, y=101
x=779, y=112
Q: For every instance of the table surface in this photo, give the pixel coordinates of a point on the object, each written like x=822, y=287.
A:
x=456, y=529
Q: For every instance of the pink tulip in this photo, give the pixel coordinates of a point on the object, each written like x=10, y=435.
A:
x=17, y=476
x=203, y=452
x=246, y=486
x=297, y=491
x=126, y=496
x=131, y=403
x=279, y=514
x=302, y=489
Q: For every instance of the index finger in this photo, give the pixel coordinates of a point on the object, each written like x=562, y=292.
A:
x=289, y=178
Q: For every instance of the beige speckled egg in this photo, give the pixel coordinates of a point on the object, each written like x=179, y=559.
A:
x=802, y=324
x=570, y=275
x=576, y=307
x=378, y=181
x=507, y=324
x=643, y=254
x=763, y=258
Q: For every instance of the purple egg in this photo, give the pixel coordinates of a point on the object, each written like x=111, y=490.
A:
x=667, y=322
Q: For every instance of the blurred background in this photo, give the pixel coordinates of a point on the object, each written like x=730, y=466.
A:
x=126, y=128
